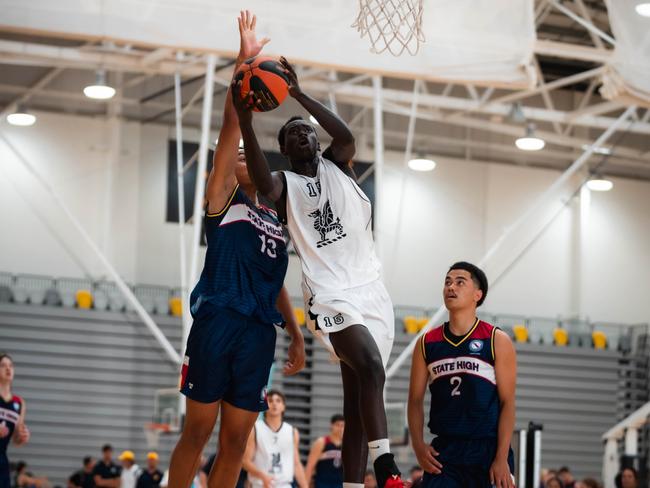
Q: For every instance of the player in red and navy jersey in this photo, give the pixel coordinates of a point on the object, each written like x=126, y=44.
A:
x=12, y=417
x=470, y=369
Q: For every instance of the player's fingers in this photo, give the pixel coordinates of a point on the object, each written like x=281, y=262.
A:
x=492, y=481
x=254, y=22
x=248, y=19
x=265, y=41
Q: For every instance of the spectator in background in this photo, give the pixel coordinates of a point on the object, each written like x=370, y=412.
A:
x=106, y=473
x=546, y=475
x=369, y=480
x=130, y=471
x=415, y=476
x=84, y=477
x=150, y=477
x=554, y=482
x=588, y=483
x=627, y=478
x=25, y=479
x=324, y=462
x=566, y=477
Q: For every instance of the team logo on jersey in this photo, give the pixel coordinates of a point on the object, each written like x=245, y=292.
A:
x=325, y=223
x=16, y=406
x=476, y=345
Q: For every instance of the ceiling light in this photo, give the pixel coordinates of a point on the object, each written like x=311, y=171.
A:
x=600, y=184
x=421, y=164
x=100, y=90
x=643, y=9
x=313, y=120
x=605, y=151
x=530, y=142
x=21, y=117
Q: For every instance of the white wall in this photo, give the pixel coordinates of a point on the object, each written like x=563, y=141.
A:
x=455, y=212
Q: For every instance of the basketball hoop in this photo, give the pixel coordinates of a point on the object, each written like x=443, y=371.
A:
x=152, y=433
x=393, y=25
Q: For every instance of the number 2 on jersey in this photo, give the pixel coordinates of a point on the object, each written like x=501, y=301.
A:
x=268, y=246
x=455, y=381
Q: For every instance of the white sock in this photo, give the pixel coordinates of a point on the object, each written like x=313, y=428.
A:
x=377, y=448
x=352, y=485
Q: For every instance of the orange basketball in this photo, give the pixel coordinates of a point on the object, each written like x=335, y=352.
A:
x=265, y=77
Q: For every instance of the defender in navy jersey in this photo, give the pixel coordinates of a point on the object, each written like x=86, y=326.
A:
x=324, y=463
x=469, y=367
x=12, y=418
x=235, y=305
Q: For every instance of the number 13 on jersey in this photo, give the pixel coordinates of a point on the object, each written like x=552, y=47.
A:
x=268, y=246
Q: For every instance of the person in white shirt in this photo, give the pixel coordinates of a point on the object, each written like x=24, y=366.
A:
x=272, y=459
x=130, y=471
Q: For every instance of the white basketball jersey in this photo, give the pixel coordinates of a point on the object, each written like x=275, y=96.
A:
x=329, y=219
x=274, y=454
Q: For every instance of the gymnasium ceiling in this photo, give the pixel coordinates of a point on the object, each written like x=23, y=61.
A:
x=455, y=120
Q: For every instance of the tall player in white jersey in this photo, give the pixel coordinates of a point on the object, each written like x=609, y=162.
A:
x=329, y=220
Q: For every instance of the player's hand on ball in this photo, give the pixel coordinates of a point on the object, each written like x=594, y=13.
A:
x=296, y=356
x=243, y=106
x=426, y=456
x=294, y=87
x=500, y=474
x=249, y=45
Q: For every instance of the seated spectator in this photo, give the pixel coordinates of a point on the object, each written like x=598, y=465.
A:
x=369, y=481
x=588, y=483
x=627, y=478
x=415, y=476
x=84, y=477
x=106, y=473
x=554, y=482
x=130, y=470
x=566, y=477
x=25, y=479
x=150, y=477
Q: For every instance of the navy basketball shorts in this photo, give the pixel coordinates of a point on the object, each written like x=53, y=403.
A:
x=465, y=463
x=228, y=357
x=5, y=480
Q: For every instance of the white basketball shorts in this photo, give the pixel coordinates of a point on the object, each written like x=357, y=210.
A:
x=367, y=305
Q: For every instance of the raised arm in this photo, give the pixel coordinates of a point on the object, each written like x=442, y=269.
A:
x=342, y=146
x=425, y=453
x=505, y=368
x=222, y=180
x=271, y=185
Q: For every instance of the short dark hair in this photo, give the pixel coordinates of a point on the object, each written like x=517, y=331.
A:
x=337, y=417
x=86, y=460
x=5, y=355
x=283, y=129
x=271, y=393
x=564, y=469
x=20, y=465
x=107, y=447
x=630, y=468
x=478, y=277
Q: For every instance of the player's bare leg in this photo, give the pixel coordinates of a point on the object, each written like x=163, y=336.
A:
x=199, y=422
x=236, y=425
x=356, y=347
x=355, y=445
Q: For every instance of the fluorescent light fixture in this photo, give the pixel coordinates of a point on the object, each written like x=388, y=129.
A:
x=643, y=9
x=530, y=142
x=313, y=120
x=100, y=90
x=600, y=184
x=605, y=151
x=421, y=164
x=21, y=118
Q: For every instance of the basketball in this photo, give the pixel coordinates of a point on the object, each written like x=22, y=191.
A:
x=263, y=75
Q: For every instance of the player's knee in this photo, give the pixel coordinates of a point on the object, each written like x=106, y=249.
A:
x=371, y=370
x=235, y=440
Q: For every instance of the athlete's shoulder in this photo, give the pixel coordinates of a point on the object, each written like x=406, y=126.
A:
x=483, y=330
x=434, y=335
x=17, y=399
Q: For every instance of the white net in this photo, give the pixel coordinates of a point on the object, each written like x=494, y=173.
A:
x=391, y=25
x=152, y=435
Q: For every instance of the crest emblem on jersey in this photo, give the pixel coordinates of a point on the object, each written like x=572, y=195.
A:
x=325, y=224
x=476, y=345
x=16, y=406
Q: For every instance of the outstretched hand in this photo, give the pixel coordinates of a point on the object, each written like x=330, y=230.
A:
x=249, y=45
x=295, y=357
x=243, y=105
x=294, y=87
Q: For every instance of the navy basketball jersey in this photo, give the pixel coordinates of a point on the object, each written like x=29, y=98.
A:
x=9, y=416
x=245, y=262
x=462, y=381
x=329, y=469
